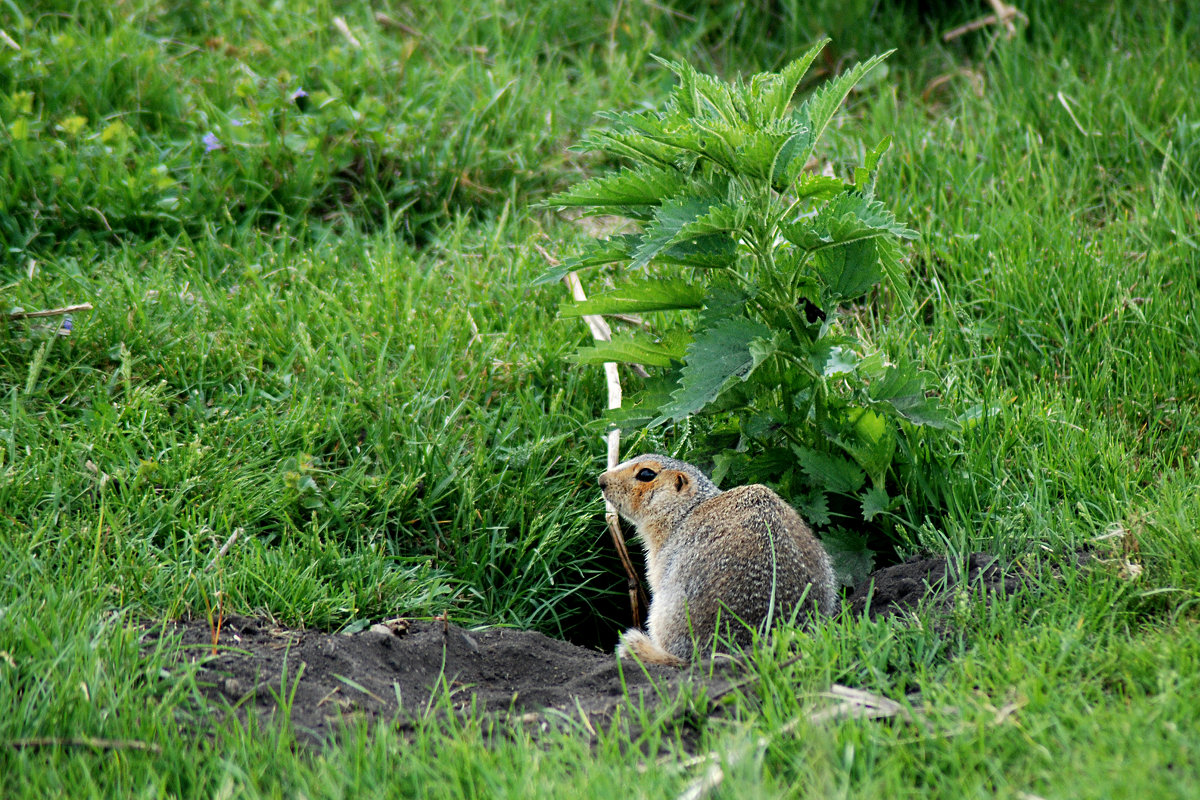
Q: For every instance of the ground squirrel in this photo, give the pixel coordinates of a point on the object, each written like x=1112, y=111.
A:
x=736, y=558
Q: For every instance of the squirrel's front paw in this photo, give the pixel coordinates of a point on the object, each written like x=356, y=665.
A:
x=642, y=647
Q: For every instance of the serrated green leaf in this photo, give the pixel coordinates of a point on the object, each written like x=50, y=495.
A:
x=875, y=501
x=669, y=219
x=848, y=272
x=864, y=176
x=639, y=410
x=639, y=297
x=636, y=349
x=815, y=508
x=727, y=462
x=715, y=251
x=724, y=218
x=634, y=146
x=678, y=137
x=632, y=189
x=817, y=112
x=757, y=154
x=853, y=237
x=889, y=253
x=791, y=157
x=716, y=358
x=790, y=76
x=723, y=300
x=830, y=471
x=764, y=347
x=903, y=388
x=851, y=557
x=818, y=187
x=897, y=383
x=605, y=251
x=833, y=359
x=699, y=95
x=847, y=218
x=870, y=441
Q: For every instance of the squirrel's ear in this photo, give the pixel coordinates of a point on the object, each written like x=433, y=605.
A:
x=681, y=481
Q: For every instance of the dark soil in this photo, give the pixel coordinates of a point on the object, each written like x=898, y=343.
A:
x=900, y=589
x=402, y=670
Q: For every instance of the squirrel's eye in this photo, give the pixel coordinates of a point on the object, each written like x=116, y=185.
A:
x=645, y=475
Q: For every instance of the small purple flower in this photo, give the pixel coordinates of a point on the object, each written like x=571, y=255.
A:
x=296, y=95
x=300, y=98
x=237, y=123
x=211, y=142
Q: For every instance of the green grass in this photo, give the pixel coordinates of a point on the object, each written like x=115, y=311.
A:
x=322, y=336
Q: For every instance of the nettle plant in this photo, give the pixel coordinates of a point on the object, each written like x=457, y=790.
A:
x=770, y=260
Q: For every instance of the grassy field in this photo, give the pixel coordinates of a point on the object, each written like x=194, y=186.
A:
x=308, y=232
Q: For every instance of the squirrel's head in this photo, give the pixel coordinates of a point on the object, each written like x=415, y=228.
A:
x=655, y=493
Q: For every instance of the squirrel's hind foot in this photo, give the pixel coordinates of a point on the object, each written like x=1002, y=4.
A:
x=643, y=648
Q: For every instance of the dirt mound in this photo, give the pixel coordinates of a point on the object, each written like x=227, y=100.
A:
x=901, y=588
x=403, y=669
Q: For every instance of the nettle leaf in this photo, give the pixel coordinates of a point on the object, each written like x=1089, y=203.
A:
x=725, y=299
x=889, y=253
x=818, y=187
x=817, y=112
x=777, y=100
x=864, y=176
x=852, y=238
x=633, y=189
x=668, y=221
x=605, y=251
x=700, y=95
x=791, y=157
x=831, y=358
x=681, y=136
x=715, y=251
x=804, y=233
x=764, y=347
x=830, y=471
x=639, y=297
x=848, y=272
x=814, y=507
x=875, y=501
x=851, y=557
x=719, y=218
x=904, y=389
x=717, y=358
x=716, y=143
x=630, y=144
x=847, y=218
x=759, y=152
x=636, y=349
x=640, y=409
x=870, y=441
x=854, y=216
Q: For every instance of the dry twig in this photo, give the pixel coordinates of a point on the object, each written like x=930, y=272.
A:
x=347, y=34
x=52, y=312
x=84, y=741
x=1003, y=16
x=858, y=704
x=224, y=549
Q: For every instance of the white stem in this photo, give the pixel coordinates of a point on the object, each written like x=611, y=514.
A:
x=602, y=333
